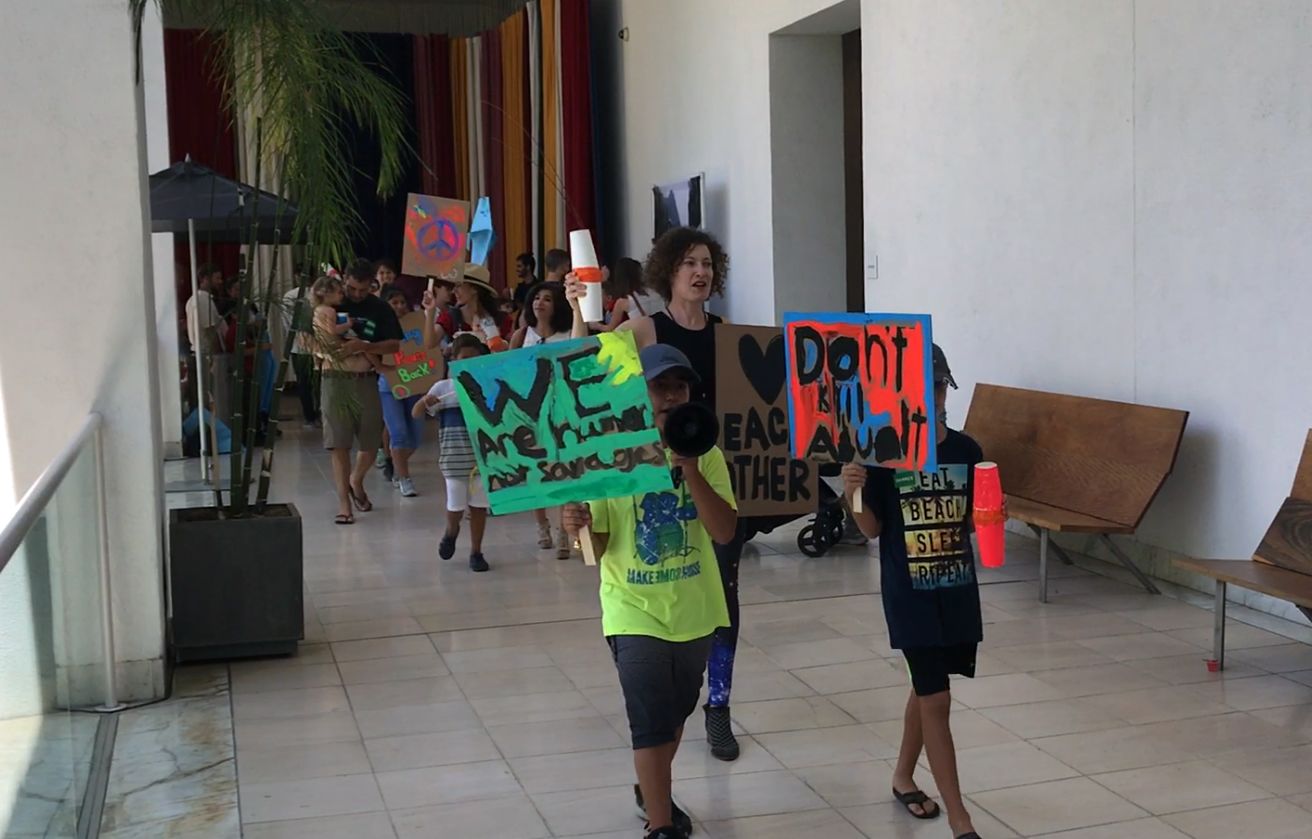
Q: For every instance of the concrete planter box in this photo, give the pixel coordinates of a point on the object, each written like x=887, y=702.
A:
x=236, y=584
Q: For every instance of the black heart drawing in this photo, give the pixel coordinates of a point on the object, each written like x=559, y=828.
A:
x=765, y=370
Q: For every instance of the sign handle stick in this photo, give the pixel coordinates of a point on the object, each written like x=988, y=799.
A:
x=430, y=285
x=585, y=542
x=856, y=502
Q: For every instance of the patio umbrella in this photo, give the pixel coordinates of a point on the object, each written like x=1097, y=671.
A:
x=188, y=197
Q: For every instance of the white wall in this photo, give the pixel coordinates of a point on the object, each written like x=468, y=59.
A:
x=696, y=98
x=1110, y=199
x=73, y=210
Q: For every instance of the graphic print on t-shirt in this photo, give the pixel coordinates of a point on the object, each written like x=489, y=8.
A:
x=934, y=509
x=661, y=535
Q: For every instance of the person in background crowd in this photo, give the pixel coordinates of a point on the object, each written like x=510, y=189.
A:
x=351, y=409
x=661, y=596
x=686, y=267
x=556, y=265
x=479, y=312
x=307, y=377
x=256, y=358
x=623, y=288
x=547, y=321
x=384, y=275
x=464, y=486
x=930, y=594
x=202, y=310
x=404, y=430
x=437, y=303
x=525, y=266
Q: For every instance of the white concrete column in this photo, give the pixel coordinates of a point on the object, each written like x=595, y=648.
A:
x=166, y=297
x=73, y=219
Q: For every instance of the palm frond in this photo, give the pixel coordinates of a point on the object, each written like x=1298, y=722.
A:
x=280, y=61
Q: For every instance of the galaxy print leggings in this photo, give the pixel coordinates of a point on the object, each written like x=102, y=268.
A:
x=719, y=669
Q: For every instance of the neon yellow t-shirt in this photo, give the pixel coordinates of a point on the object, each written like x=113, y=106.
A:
x=659, y=576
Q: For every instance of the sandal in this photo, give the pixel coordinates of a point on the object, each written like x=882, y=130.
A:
x=361, y=501
x=907, y=799
x=344, y=518
x=970, y=835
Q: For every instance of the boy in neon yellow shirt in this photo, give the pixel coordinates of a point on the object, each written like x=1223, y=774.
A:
x=661, y=595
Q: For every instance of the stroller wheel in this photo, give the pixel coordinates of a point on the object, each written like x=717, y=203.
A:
x=837, y=531
x=811, y=543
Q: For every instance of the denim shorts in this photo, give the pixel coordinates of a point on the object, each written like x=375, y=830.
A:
x=661, y=681
x=405, y=431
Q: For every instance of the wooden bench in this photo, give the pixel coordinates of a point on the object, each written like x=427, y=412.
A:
x=1282, y=565
x=1070, y=464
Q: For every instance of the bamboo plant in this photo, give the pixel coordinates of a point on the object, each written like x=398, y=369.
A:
x=303, y=83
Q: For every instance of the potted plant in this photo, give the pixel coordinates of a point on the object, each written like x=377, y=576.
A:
x=235, y=567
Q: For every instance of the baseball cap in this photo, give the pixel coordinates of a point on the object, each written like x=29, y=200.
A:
x=942, y=373
x=662, y=358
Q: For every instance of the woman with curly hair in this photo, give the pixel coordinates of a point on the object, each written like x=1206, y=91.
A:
x=686, y=267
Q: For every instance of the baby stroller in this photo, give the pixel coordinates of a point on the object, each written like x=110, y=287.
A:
x=829, y=525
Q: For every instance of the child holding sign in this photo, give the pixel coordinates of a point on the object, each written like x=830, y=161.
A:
x=930, y=596
x=661, y=594
x=464, y=487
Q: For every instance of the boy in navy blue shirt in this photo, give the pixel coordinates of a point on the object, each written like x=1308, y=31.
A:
x=930, y=596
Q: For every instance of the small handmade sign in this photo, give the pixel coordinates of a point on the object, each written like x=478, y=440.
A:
x=481, y=234
x=750, y=376
x=861, y=389
x=562, y=422
x=415, y=368
x=436, y=236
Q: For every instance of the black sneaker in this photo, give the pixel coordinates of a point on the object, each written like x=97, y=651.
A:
x=478, y=563
x=447, y=547
x=682, y=822
x=667, y=833
x=719, y=733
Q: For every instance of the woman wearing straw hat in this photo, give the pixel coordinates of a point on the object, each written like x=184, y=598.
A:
x=479, y=313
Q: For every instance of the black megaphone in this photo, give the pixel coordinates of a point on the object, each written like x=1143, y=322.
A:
x=691, y=430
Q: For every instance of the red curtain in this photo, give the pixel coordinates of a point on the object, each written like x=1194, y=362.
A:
x=494, y=125
x=433, y=112
x=201, y=126
x=576, y=113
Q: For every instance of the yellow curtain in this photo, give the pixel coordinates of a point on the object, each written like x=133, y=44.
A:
x=460, y=114
x=515, y=239
x=552, y=172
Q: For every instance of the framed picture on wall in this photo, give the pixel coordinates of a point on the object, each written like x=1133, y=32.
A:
x=677, y=204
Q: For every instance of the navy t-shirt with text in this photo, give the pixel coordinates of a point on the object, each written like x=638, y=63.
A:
x=927, y=565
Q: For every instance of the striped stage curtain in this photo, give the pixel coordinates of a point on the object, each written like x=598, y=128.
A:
x=515, y=107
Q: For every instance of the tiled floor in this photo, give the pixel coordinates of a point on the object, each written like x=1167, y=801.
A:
x=432, y=702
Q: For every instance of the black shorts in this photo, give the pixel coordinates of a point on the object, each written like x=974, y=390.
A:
x=930, y=666
x=661, y=681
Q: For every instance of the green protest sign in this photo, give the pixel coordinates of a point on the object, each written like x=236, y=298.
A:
x=561, y=422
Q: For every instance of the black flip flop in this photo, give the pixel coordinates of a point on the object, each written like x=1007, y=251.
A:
x=344, y=519
x=970, y=835
x=906, y=799
x=361, y=501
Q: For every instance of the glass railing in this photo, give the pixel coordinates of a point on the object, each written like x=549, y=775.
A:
x=53, y=645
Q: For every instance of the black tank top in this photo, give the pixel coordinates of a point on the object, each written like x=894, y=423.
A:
x=698, y=345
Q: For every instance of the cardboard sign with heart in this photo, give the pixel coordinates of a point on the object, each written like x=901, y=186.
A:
x=750, y=373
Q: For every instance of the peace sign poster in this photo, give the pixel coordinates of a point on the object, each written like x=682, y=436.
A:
x=436, y=236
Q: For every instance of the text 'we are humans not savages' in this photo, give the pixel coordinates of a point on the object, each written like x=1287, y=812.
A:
x=561, y=422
